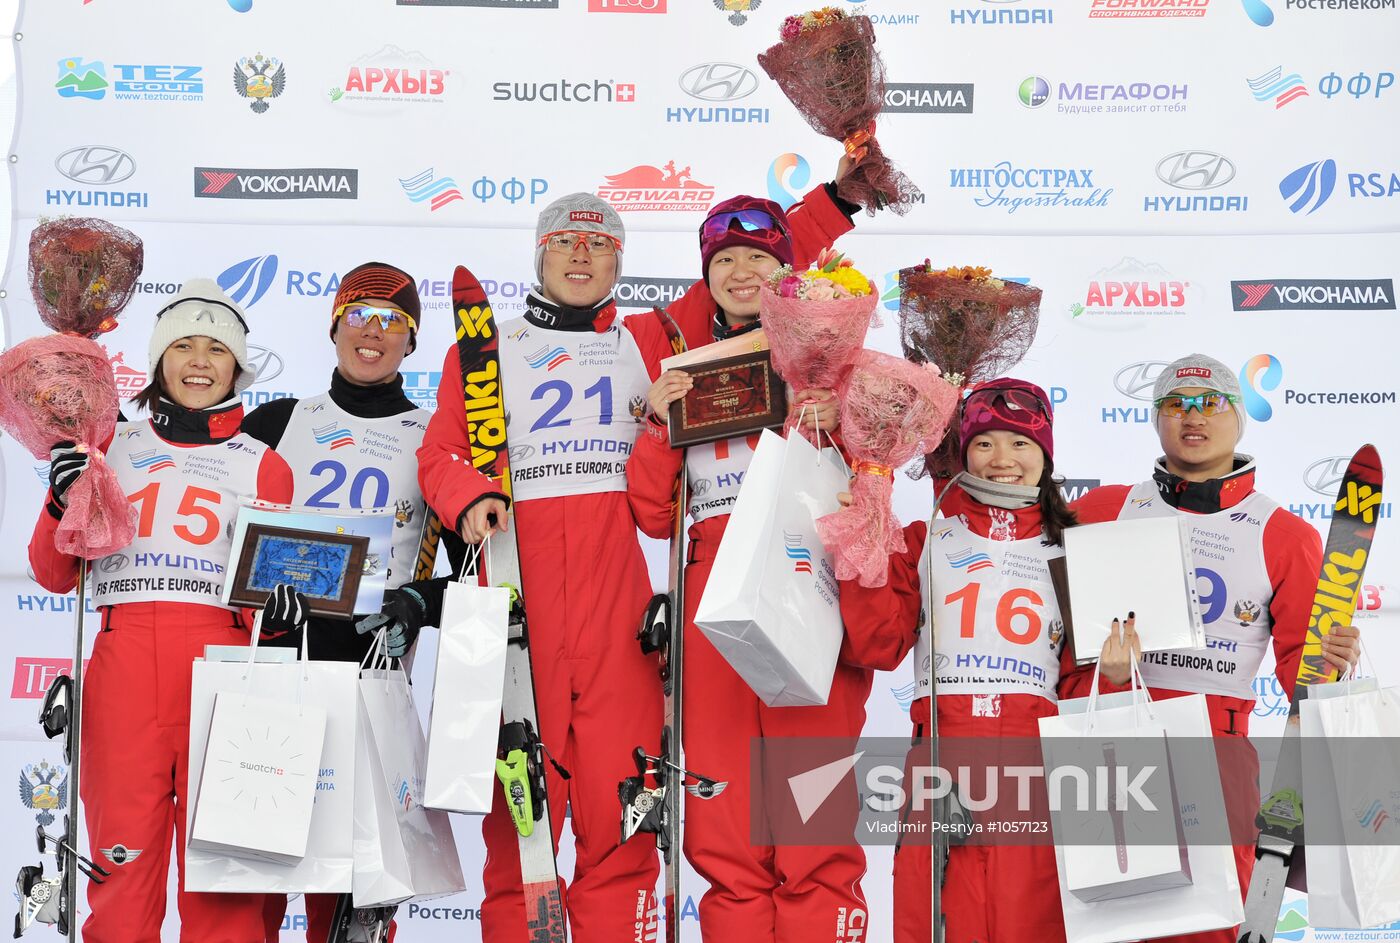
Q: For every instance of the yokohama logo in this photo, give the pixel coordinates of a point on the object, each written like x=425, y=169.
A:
x=299, y=183
x=1334, y=294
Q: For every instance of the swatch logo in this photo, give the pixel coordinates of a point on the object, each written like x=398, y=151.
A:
x=800, y=556
x=787, y=177
x=549, y=359
x=1309, y=186
x=1261, y=373
x=438, y=191
x=336, y=436
x=1279, y=87
x=151, y=460
x=969, y=561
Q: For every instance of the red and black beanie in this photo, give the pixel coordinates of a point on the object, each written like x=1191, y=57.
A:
x=380, y=280
x=776, y=242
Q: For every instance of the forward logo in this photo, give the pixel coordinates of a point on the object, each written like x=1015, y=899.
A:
x=291, y=183
x=1305, y=294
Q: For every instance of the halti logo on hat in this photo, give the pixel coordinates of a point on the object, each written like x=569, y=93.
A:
x=1202, y=372
x=585, y=216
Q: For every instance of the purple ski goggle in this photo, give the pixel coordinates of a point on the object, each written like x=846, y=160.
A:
x=748, y=220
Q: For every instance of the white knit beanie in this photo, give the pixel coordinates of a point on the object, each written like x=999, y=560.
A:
x=202, y=309
x=578, y=212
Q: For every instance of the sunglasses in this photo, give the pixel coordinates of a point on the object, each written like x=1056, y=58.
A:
x=1005, y=401
x=597, y=243
x=1209, y=404
x=391, y=320
x=747, y=220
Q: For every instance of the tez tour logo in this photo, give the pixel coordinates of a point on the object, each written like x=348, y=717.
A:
x=800, y=556
x=337, y=436
x=549, y=359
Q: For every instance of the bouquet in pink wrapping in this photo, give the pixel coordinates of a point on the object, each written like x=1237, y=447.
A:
x=829, y=69
x=891, y=411
x=816, y=321
x=975, y=325
x=60, y=388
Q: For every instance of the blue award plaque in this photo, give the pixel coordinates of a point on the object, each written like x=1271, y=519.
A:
x=325, y=567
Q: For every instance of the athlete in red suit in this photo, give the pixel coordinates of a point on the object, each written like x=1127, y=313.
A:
x=1260, y=594
x=757, y=893
x=136, y=689
x=1006, y=508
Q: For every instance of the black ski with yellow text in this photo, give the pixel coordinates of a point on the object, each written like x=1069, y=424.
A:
x=1354, y=516
x=521, y=755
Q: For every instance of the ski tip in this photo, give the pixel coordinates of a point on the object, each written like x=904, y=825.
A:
x=466, y=289
x=1367, y=457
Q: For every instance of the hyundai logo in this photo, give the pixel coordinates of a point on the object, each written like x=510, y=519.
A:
x=266, y=364
x=519, y=453
x=1195, y=170
x=1325, y=474
x=1137, y=379
x=718, y=82
x=114, y=563
x=95, y=165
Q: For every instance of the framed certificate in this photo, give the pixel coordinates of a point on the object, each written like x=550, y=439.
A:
x=731, y=397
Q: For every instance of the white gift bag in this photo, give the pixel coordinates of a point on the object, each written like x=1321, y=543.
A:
x=328, y=863
x=465, y=721
x=258, y=786
x=1140, y=813
x=1355, y=884
x=771, y=606
x=1212, y=900
x=402, y=849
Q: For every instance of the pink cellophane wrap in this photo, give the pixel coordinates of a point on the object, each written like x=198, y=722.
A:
x=60, y=388
x=835, y=78
x=82, y=273
x=814, y=343
x=891, y=411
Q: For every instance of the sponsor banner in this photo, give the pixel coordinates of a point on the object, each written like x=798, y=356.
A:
x=1314, y=294
x=293, y=183
x=927, y=98
x=1147, y=9
x=665, y=188
x=635, y=291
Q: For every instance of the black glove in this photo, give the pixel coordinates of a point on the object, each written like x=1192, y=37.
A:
x=284, y=613
x=404, y=613
x=66, y=463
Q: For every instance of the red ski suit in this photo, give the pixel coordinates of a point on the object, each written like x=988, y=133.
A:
x=135, y=746
x=1292, y=553
x=991, y=893
x=783, y=894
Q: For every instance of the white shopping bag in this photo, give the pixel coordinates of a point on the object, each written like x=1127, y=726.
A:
x=465, y=723
x=771, y=606
x=258, y=785
x=1353, y=883
x=402, y=849
x=328, y=863
x=1212, y=900
x=1131, y=843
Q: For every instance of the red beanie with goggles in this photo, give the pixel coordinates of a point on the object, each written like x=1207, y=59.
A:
x=1011, y=405
x=745, y=221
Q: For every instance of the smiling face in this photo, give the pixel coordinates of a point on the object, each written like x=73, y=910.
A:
x=1008, y=458
x=198, y=372
x=366, y=356
x=735, y=275
x=577, y=279
x=1199, y=447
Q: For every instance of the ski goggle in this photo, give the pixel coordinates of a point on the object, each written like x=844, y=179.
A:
x=748, y=220
x=357, y=314
x=1014, y=403
x=597, y=243
x=212, y=315
x=1209, y=404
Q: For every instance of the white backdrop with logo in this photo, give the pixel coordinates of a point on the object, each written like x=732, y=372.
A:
x=1214, y=175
